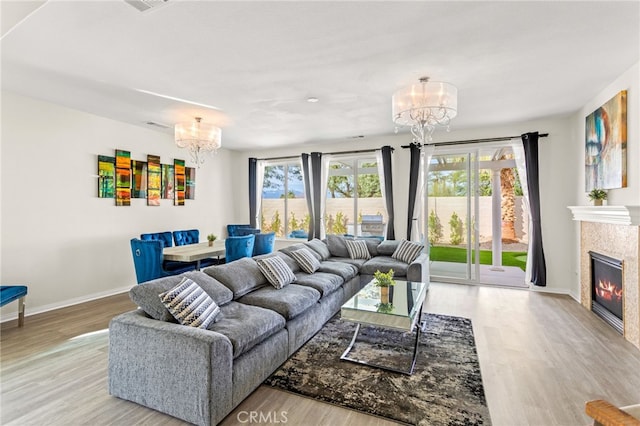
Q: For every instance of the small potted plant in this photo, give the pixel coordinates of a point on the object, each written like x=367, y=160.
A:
x=211, y=238
x=597, y=195
x=384, y=281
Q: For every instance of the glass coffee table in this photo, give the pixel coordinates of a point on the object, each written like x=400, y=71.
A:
x=402, y=313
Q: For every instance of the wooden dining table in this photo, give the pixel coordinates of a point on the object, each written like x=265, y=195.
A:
x=195, y=252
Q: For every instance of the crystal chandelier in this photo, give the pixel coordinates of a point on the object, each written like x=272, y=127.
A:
x=423, y=106
x=199, y=138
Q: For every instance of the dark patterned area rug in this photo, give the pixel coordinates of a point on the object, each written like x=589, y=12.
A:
x=445, y=388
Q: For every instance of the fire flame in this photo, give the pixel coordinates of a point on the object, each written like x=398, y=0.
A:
x=609, y=291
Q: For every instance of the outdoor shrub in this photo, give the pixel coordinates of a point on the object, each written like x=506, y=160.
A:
x=435, y=228
x=457, y=229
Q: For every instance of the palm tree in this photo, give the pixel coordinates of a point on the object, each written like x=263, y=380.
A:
x=508, y=203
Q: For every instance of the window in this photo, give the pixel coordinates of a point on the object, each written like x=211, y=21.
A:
x=354, y=203
x=284, y=206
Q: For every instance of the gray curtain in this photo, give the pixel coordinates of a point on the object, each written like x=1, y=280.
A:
x=414, y=170
x=304, y=158
x=316, y=182
x=536, y=252
x=388, y=190
x=253, y=166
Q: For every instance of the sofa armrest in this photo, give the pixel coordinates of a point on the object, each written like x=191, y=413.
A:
x=181, y=371
x=419, y=269
x=606, y=414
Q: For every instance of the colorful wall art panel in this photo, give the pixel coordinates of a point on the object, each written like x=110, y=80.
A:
x=123, y=178
x=154, y=180
x=179, y=171
x=168, y=181
x=139, y=184
x=190, y=176
x=606, y=145
x=106, y=176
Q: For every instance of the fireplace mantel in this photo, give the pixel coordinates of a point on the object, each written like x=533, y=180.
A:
x=618, y=215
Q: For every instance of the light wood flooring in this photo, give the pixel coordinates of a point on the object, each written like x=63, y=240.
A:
x=542, y=357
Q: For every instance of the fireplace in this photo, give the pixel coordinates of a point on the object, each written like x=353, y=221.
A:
x=607, y=289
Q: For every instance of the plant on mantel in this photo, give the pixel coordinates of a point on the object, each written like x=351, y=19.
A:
x=597, y=195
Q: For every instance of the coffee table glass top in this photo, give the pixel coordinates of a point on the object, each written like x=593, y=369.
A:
x=405, y=300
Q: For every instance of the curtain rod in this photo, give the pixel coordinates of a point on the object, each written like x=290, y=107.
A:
x=290, y=157
x=469, y=141
x=325, y=153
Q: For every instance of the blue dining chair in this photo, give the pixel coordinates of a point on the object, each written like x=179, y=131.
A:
x=9, y=293
x=239, y=247
x=189, y=236
x=147, y=260
x=232, y=229
x=264, y=243
x=165, y=237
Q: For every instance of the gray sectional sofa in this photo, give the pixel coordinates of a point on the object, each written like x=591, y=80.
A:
x=201, y=375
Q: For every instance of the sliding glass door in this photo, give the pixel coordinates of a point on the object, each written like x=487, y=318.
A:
x=451, y=215
x=476, y=218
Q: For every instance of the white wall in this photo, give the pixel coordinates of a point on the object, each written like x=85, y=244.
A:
x=58, y=237
x=629, y=81
x=557, y=182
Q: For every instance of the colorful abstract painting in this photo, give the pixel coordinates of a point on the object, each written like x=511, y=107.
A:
x=190, y=175
x=168, y=181
x=606, y=145
x=179, y=171
x=139, y=184
x=106, y=176
x=154, y=180
x=123, y=178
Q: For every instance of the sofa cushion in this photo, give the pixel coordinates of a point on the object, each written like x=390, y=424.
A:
x=372, y=244
x=337, y=246
x=407, y=251
x=246, y=326
x=276, y=271
x=324, y=282
x=384, y=264
x=319, y=247
x=306, y=260
x=289, y=301
x=145, y=295
x=190, y=305
x=357, y=263
x=345, y=269
x=299, y=246
x=240, y=276
x=387, y=247
x=358, y=249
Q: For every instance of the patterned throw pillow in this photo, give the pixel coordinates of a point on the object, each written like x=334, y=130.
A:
x=306, y=260
x=407, y=251
x=276, y=271
x=190, y=305
x=357, y=249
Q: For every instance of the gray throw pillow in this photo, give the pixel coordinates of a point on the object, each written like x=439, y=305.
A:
x=319, y=247
x=306, y=260
x=358, y=249
x=337, y=246
x=407, y=251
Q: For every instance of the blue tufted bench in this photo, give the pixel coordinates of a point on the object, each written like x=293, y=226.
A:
x=9, y=293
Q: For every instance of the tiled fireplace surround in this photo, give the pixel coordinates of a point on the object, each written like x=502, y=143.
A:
x=613, y=231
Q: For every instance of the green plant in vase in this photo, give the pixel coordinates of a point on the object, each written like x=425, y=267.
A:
x=385, y=308
x=384, y=280
x=597, y=195
x=211, y=238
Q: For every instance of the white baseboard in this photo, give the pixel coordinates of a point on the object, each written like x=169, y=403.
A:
x=569, y=293
x=53, y=306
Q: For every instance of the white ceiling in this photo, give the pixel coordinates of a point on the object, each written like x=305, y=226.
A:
x=255, y=63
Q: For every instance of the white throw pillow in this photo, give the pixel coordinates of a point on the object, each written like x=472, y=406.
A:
x=190, y=304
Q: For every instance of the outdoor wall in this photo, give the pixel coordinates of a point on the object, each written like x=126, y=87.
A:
x=57, y=237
